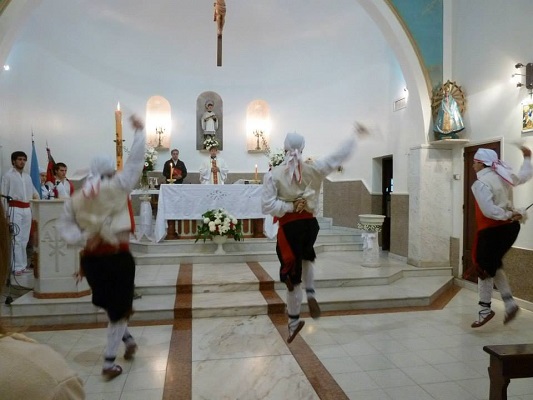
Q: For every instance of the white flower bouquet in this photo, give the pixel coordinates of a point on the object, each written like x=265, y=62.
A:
x=210, y=142
x=276, y=157
x=150, y=158
x=219, y=222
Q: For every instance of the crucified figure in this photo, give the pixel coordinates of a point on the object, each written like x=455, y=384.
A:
x=220, y=15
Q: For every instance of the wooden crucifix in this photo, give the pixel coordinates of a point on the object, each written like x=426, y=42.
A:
x=219, y=17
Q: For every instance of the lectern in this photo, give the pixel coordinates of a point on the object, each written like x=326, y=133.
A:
x=56, y=262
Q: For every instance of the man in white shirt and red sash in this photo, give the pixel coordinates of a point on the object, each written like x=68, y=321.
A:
x=18, y=189
x=497, y=228
x=290, y=194
x=99, y=218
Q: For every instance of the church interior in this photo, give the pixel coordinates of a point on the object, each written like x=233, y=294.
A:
x=210, y=320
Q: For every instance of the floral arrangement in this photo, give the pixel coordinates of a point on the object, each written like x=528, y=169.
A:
x=276, y=157
x=150, y=158
x=369, y=227
x=219, y=222
x=210, y=142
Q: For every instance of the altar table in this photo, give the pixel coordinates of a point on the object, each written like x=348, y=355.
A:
x=189, y=202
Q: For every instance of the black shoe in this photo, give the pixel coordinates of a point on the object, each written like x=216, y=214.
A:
x=314, y=308
x=294, y=332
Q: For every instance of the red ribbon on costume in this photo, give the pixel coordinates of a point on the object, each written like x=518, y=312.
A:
x=287, y=256
x=132, y=218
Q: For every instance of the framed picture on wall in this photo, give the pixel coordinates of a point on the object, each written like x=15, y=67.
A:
x=527, y=117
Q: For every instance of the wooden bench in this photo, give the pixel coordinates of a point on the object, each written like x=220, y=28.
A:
x=507, y=362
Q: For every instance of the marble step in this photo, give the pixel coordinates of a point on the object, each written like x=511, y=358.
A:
x=232, y=289
x=406, y=292
x=335, y=236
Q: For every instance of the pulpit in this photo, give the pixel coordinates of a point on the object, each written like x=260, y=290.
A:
x=56, y=262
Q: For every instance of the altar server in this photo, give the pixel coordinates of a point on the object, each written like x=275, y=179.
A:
x=99, y=218
x=290, y=194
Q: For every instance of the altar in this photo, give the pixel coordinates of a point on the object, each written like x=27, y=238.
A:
x=189, y=202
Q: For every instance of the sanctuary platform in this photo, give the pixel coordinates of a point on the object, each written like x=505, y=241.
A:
x=186, y=279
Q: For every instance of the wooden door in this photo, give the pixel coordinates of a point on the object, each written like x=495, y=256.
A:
x=469, y=215
x=386, y=190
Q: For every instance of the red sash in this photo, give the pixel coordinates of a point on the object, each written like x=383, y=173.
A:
x=19, y=204
x=287, y=255
x=482, y=222
x=107, y=249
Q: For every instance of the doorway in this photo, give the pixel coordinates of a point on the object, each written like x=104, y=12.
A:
x=387, y=187
x=469, y=214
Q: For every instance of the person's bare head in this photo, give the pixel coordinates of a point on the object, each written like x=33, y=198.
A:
x=175, y=153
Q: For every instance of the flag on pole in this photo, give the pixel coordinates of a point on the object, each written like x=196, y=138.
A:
x=34, y=169
x=51, y=165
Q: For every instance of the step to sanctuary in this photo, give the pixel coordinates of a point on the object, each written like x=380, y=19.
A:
x=247, y=288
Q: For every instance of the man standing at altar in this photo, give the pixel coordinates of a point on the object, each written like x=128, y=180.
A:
x=175, y=168
x=214, y=170
x=100, y=219
x=290, y=194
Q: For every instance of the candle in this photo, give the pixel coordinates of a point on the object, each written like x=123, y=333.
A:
x=118, y=130
x=255, y=171
x=171, y=170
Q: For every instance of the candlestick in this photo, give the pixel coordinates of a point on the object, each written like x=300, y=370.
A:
x=118, y=130
x=255, y=171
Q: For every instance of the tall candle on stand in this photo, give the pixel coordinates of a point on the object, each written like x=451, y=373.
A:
x=255, y=171
x=118, y=140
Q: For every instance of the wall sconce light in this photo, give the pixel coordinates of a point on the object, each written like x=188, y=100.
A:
x=258, y=126
x=517, y=77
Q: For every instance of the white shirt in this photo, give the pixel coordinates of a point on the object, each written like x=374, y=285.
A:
x=493, y=194
x=279, y=191
x=63, y=189
x=18, y=186
x=108, y=218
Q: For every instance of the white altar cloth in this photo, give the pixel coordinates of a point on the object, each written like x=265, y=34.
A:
x=189, y=202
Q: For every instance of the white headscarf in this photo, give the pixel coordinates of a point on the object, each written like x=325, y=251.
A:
x=100, y=166
x=490, y=159
x=294, y=145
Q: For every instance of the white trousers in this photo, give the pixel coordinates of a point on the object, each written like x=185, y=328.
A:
x=21, y=220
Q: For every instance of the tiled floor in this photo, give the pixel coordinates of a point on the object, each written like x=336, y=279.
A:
x=401, y=356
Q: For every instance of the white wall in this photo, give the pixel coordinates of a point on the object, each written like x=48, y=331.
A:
x=489, y=37
x=319, y=66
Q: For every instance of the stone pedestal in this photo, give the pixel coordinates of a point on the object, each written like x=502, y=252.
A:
x=220, y=240
x=56, y=262
x=371, y=225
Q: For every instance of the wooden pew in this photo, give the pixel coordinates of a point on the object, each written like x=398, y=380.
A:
x=508, y=361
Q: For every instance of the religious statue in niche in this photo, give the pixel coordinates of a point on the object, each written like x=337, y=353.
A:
x=209, y=123
x=209, y=120
x=448, y=105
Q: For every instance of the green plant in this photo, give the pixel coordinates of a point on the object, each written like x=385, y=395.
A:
x=219, y=222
